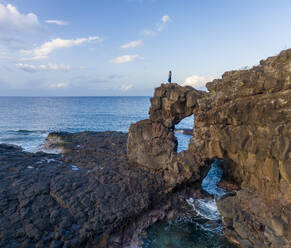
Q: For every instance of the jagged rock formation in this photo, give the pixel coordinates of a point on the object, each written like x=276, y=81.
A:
x=152, y=142
x=245, y=119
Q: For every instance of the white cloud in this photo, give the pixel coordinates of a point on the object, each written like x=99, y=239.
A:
x=165, y=18
x=149, y=32
x=159, y=26
x=197, y=81
x=126, y=87
x=48, y=67
x=132, y=44
x=45, y=49
x=58, y=85
x=125, y=59
x=57, y=22
x=11, y=19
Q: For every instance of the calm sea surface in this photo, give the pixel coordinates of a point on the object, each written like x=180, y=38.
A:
x=26, y=121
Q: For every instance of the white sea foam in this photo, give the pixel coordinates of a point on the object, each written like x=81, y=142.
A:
x=50, y=160
x=205, y=208
x=29, y=140
x=51, y=151
x=75, y=168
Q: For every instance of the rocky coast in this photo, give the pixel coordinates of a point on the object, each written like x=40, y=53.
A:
x=90, y=195
x=105, y=188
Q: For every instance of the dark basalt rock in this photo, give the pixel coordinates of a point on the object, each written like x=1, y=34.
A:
x=88, y=196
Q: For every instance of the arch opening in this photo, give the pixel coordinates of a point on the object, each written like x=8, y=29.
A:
x=184, y=132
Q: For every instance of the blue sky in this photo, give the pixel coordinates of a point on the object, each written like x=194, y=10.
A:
x=127, y=47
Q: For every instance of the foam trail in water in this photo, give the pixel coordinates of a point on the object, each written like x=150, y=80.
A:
x=205, y=208
x=213, y=177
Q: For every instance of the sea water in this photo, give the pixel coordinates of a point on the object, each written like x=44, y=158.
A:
x=199, y=227
x=26, y=122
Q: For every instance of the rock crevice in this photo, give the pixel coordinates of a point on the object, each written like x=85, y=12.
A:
x=245, y=119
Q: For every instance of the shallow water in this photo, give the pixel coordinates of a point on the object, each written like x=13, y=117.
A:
x=201, y=227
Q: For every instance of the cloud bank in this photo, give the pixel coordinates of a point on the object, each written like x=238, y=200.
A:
x=59, y=85
x=163, y=22
x=48, y=67
x=48, y=47
x=197, y=81
x=132, y=44
x=126, y=87
x=125, y=59
x=160, y=26
x=57, y=22
x=12, y=19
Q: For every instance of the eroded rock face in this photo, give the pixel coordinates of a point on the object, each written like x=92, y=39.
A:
x=152, y=142
x=171, y=103
x=246, y=120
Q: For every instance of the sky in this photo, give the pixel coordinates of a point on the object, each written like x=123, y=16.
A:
x=127, y=47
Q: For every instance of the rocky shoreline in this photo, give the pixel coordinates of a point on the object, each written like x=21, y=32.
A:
x=90, y=195
x=105, y=188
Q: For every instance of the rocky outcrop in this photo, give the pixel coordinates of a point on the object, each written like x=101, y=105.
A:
x=245, y=119
x=152, y=142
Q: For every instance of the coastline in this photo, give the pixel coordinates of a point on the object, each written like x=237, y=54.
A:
x=105, y=188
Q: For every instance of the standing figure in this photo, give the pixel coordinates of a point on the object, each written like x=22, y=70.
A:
x=170, y=77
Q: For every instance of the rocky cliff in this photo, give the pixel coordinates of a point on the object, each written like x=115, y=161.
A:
x=245, y=119
x=152, y=142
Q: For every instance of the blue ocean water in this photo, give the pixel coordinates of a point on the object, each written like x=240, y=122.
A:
x=26, y=121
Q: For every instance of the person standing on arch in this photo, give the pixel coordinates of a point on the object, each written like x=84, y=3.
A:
x=170, y=77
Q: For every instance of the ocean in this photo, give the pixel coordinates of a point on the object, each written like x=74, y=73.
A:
x=26, y=122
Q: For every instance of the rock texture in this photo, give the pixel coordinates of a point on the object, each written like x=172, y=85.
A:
x=88, y=196
x=152, y=142
x=107, y=187
x=245, y=119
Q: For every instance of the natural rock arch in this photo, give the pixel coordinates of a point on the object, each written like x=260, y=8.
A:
x=244, y=119
x=152, y=142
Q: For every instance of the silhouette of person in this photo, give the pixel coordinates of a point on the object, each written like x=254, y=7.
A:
x=170, y=77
